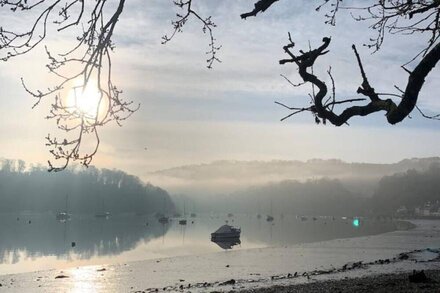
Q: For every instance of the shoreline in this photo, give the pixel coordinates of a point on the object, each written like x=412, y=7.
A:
x=255, y=270
x=392, y=282
x=116, y=259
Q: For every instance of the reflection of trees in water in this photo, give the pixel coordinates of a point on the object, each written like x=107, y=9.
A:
x=294, y=231
x=93, y=237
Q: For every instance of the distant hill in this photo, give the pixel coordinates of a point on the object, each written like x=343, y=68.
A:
x=330, y=197
x=228, y=176
x=312, y=197
x=411, y=189
x=88, y=190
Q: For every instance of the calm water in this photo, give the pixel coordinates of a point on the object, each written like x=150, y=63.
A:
x=38, y=242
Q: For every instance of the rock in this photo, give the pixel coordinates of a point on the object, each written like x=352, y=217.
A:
x=418, y=277
x=403, y=256
x=61, y=277
x=230, y=282
x=227, y=266
x=101, y=270
x=73, y=244
x=181, y=280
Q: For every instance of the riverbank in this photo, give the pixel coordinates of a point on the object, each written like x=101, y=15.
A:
x=250, y=269
x=397, y=283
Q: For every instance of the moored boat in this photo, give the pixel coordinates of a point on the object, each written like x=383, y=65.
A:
x=226, y=231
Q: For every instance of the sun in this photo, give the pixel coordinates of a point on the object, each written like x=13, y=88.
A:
x=86, y=99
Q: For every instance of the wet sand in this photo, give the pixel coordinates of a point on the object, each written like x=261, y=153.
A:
x=378, y=283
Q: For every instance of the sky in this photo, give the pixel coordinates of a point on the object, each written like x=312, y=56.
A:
x=191, y=114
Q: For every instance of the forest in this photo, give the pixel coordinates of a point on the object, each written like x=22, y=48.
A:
x=91, y=190
x=82, y=190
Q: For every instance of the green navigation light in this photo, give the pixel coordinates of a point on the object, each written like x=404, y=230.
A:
x=356, y=222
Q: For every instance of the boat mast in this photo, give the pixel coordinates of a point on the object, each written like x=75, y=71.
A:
x=271, y=212
x=184, y=212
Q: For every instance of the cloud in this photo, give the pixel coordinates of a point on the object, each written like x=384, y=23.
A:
x=192, y=114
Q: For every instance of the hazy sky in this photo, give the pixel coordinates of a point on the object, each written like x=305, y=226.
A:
x=190, y=114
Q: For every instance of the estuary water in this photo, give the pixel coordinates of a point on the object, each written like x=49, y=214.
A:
x=30, y=242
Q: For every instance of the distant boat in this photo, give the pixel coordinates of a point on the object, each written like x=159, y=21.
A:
x=226, y=232
x=64, y=216
x=230, y=215
x=193, y=215
x=163, y=220
x=270, y=218
x=183, y=221
x=161, y=216
x=105, y=215
x=259, y=212
x=303, y=218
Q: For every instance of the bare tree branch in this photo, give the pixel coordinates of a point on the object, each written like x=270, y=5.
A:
x=208, y=26
x=77, y=90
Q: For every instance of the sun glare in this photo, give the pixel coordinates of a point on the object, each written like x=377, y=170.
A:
x=85, y=100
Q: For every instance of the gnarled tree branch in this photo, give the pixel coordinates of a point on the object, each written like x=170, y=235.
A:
x=259, y=6
x=322, y=111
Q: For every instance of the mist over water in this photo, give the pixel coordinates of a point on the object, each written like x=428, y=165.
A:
x=304, y=211
x=36, y=242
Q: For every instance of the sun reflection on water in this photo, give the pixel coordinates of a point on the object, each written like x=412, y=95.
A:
x=89, y=279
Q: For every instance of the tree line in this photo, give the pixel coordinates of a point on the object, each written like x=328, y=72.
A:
x=88, y=190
